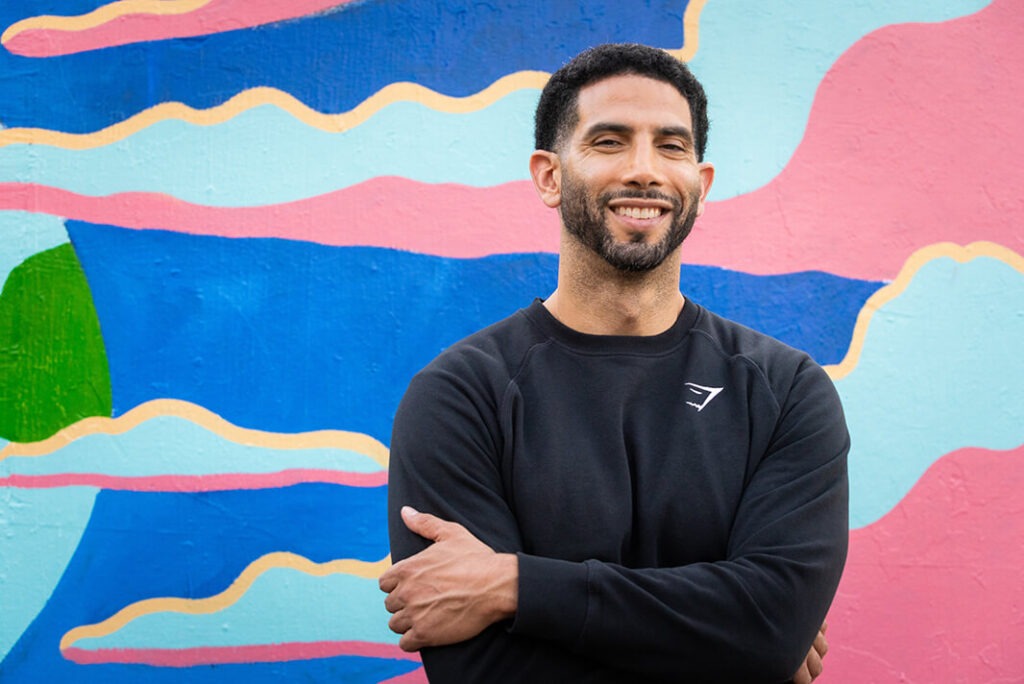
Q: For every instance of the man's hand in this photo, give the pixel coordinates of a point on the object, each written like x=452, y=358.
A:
x=452, y=590
x=812, y=666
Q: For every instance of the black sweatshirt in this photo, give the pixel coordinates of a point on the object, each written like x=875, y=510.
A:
x=678, y=503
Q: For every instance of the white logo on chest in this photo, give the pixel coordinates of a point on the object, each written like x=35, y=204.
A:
x=700, y=395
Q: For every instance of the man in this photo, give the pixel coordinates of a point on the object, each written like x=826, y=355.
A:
x=616, y=484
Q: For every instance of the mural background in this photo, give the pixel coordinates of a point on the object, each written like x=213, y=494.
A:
x=230, y=232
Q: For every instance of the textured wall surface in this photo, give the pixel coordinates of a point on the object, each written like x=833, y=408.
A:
x=232, y=230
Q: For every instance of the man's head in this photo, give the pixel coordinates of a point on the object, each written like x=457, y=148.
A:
x=624, y=127
x=557, y=114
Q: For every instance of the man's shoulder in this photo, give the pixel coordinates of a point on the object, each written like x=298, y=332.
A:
x=495, y=351
x=777, y=361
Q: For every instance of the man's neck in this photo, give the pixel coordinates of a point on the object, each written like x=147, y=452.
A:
x=595, y=298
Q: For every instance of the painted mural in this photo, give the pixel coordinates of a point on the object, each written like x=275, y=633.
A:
x=231, y=231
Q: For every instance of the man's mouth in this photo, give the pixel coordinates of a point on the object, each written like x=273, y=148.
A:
x=639, y=212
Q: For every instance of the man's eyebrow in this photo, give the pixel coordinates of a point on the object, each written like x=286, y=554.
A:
x=676, y=132
x=607, y=127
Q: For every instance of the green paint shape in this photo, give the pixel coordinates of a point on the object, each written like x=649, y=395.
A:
x=53, y=365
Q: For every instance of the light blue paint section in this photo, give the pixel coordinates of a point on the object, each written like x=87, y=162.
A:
x=23, y=234
x=941, y=369
x=266, y=156
x=282, y=606
x=171, y=445
x=39, y=532
x=761, y=64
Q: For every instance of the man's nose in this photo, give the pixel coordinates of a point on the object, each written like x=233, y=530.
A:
x=643, y=168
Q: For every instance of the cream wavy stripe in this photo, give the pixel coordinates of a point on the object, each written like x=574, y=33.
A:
x=102, y=15
x=263, y=95
x=228, y=597
x=913, y=264
x=334, y=123
x=319, y=439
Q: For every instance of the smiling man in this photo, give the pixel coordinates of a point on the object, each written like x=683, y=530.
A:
x=615, y=484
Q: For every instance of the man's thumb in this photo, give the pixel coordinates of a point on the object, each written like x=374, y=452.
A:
x=423, y=524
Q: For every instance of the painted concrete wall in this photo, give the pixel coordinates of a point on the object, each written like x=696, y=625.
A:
x=231, y=231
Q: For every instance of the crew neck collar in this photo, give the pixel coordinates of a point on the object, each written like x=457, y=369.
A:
x=648, y=344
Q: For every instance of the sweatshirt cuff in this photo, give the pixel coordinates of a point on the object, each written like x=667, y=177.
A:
x=553, y=599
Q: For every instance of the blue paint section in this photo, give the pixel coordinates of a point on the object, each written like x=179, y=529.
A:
x=140, y=546
x=292, y=336
x=761, y=64
x=39, y=532
x=941, y=370
x=366, y=45
x=216, y=165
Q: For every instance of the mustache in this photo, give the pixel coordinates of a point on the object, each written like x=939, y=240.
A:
x=641, y=194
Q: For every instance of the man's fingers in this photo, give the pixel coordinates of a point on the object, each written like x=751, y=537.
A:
x=820, y=642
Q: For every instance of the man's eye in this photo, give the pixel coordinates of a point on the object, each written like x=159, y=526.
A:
x=606, y=142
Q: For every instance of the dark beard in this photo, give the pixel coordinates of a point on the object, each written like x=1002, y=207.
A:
x=587, y=224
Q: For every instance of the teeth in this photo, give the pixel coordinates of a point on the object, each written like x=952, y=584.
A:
x=638, y=212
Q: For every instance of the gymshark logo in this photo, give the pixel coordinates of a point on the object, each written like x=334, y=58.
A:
x=701, y=396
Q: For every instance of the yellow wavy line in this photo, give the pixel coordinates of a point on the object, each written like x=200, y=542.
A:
x=320, y=439
x=915, y=263
x=263, y=95
x=332, y=123
x=691, y=25
x=228, y=597
x=102, y=15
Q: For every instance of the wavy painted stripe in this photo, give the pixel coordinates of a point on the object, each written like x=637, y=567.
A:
x=223, y=600
x=762, y=65
x=131, y=21
x=195, y=483
x=157, y=408
x=218, y=167
x=102, y=15
x=260, y=653
x=887, y=294
x=331, y=61
x=932, y=591
x=260, y=96
x=381, y=212
x=925, y=384
x=858, y=197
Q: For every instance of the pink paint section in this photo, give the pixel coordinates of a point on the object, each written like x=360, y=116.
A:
x=933, y=592
x=445, y=220
x=196, y=483
x=914, y=138
x=219, y=655
x=214, y=17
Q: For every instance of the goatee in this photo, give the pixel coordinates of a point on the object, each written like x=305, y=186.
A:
x=587, y=223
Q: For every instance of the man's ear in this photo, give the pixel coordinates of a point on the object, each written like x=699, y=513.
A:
x=546, y=171
x=707, y=177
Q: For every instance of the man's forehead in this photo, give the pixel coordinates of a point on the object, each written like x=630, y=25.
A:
x=633, y=96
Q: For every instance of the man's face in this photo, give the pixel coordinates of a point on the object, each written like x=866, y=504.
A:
x=631, y=186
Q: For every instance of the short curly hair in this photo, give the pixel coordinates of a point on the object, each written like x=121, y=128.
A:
x=557, y=113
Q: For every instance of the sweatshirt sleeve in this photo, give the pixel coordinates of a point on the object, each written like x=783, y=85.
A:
x=749, y=617
x=445, y=450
